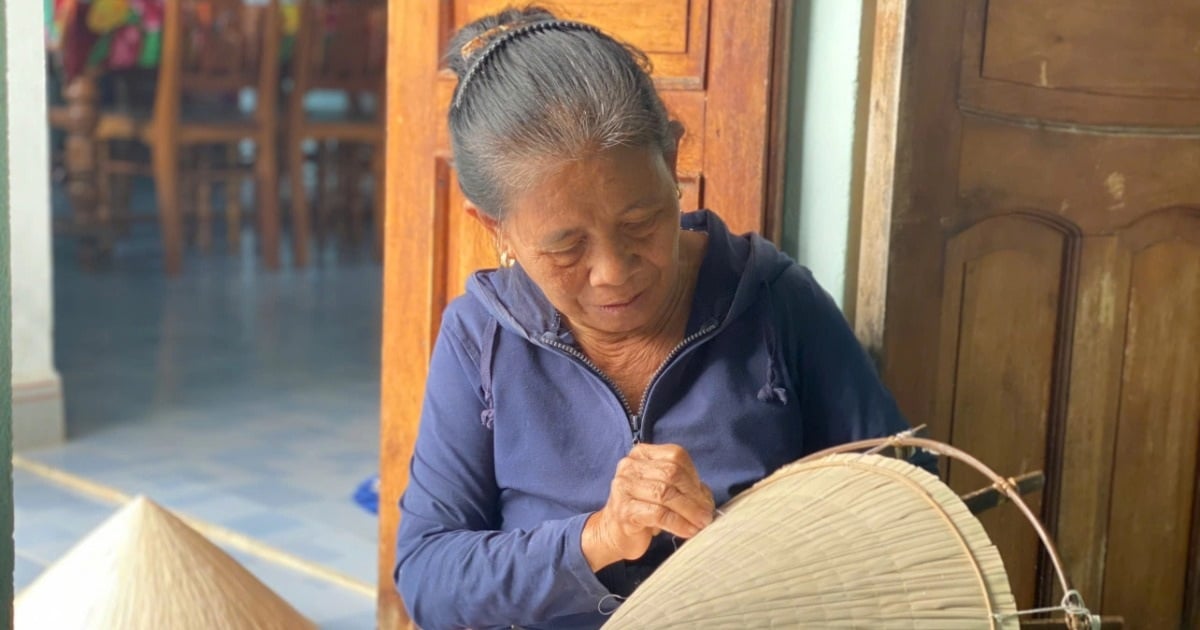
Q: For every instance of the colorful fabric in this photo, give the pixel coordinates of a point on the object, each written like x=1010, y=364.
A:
x=124, y=34
x=71, y=37
x=106, y=34
x=105, y=16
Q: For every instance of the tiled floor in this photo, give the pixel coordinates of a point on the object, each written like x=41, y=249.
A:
x=238, y=397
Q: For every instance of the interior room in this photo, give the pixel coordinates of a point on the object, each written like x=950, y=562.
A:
x=235, y=228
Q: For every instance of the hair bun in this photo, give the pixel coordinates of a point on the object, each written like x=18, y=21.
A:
x=471, y=39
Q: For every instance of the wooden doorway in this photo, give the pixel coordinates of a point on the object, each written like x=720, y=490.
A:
x=719, y=65
x=1033, y=204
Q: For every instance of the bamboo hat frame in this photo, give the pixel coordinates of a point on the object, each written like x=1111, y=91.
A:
x=844, y=538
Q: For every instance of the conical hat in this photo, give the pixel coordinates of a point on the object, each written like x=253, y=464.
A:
x=844, y=541
x=144, y=568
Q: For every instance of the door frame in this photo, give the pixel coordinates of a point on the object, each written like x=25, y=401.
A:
x=871, y=220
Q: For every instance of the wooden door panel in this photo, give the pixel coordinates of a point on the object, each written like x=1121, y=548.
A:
x=672, y=33
x=659, y=27
x=1001, y=318
x=1043, y=263
x=1147, y=76
x=1097, y=352
x=1117, y=47
x=687, y=106
x=1154, y=470
x=466, y=244
x=432, y=246
x=1098, y=182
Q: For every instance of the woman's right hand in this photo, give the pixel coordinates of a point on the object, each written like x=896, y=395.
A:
x=656, y=489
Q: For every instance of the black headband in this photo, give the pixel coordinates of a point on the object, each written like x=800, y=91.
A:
x=509, y=35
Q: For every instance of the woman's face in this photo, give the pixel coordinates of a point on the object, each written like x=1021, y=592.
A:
x=600, y=237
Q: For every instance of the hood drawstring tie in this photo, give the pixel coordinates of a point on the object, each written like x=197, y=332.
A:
x=773, y=390
x=486, y=353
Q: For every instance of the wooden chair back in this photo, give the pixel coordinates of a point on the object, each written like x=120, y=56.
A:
x=222, y=44
x=218, y=47
x=341, y=45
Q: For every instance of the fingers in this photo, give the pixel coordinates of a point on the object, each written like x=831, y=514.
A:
x=684, y=480
x=656, y=489
x=658, y=518
x=667, y=509
x=663, y=452
x=664, y=490
x=696, y=510
x=672, y=464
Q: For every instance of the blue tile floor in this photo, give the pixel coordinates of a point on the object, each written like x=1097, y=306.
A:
x=239, y=397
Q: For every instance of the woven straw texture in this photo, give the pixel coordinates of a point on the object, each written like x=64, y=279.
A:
x=848, y=541
x=145, y=569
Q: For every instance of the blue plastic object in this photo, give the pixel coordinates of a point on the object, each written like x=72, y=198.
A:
x=367, y=494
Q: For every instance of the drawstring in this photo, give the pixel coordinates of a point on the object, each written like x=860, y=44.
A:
x=773, y=390
x=488, y=415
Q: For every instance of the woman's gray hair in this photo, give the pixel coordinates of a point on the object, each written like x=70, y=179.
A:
x=535, y=92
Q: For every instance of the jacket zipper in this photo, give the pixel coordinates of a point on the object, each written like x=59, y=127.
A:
x=634, y=425
x=635, y=418
x=675, y=352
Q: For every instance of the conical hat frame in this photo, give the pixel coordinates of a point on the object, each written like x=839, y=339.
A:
x=1078, y=617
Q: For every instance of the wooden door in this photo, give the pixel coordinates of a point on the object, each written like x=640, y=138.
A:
x=1043, y=294
x=716, y=64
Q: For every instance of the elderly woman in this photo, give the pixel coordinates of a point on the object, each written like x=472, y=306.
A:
x=626, y=369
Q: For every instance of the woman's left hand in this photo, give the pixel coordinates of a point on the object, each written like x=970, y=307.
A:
x=656, y=489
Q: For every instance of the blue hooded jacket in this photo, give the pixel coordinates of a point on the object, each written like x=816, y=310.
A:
x=520, y=436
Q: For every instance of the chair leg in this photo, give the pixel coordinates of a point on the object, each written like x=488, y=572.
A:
x=342, y=175
x=118, y=191
x=104, y=196
x=266, y=166
x=122, y=196
x=166, y=185
x=322, y=191
x=300, y=218
x=351, y=162
x=187, y=196
x=204, y=210
x=380, y=201
x=365, y=173
x=233, y=201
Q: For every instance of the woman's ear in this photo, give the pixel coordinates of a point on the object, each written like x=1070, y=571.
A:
x=488, y=222
x=676, y=129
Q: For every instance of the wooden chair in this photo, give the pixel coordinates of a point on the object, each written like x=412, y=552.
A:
x=340, y=46
x=211, y=49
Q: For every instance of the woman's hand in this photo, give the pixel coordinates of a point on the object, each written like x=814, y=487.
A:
x=656, y=489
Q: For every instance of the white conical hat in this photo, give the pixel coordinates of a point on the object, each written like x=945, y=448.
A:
x=845, y=541
x=144, y=568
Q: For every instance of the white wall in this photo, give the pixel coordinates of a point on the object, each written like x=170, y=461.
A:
x=823, y=94
x=37, y=400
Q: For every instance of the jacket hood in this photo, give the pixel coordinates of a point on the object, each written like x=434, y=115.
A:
x=734, y=270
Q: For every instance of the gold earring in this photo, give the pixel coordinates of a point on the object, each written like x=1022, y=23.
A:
x=506, y=259
x=678, y=193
